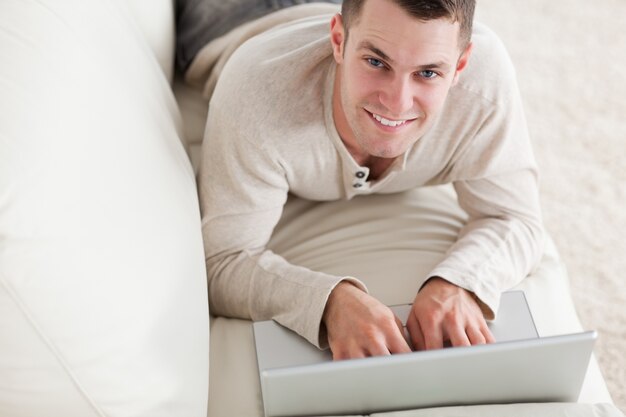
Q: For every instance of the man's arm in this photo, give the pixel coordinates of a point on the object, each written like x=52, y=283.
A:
x=502, y=240
x=494, y=174
x=243, y=189
x=496, y=249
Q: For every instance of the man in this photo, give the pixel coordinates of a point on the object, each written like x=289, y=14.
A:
x=398, y=95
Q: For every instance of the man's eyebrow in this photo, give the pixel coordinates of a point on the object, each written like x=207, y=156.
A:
x=440, y=65
x=370, y=46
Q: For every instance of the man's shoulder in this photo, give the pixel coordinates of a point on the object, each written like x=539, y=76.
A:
x=278, y=71
x=284, y=54
x=290, y=36
x=271, y=91
x=490, y=72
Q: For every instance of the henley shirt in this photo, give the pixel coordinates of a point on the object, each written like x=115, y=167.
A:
x=270, y=132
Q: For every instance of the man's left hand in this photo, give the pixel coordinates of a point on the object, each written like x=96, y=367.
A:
x=443, y=312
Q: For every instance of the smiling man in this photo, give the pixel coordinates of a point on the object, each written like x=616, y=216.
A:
x=396, y=95
x=392, y=79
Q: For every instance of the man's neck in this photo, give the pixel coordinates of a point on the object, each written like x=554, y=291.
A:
x=377, y=166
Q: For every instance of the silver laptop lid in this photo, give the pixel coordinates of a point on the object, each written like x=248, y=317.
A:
x=548, y=369
x=298, y=379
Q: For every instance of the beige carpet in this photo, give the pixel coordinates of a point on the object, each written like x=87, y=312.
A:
x=571, y=61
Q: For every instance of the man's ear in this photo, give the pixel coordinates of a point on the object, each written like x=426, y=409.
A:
x=337, y=37
x=462, y=62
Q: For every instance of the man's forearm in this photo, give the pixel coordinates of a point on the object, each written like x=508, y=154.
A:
x=492, y=256
x=265, y=286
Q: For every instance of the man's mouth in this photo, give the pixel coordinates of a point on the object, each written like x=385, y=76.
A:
x=389, y=122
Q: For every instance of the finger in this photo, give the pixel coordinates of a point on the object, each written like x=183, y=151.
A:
x=415, y=332
x=377, y=349
x=489, y=338
x=339, y=351
x=401, y=329
x=338, y=355
x=357, y=355
x=342, y=351
x=457, y=335
x=383, y=339
x=398, y=344
x=475, y=335
x=352, y=354
x=390, y=339
x=433, y=334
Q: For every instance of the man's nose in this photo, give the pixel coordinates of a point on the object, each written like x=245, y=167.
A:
x=397, y=97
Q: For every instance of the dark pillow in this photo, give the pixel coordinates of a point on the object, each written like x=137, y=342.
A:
x=200, y=21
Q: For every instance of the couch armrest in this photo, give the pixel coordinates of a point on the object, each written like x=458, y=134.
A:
x=103, y=305
x=155, y=19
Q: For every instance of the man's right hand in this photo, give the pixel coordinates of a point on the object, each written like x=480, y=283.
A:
x=358, y=325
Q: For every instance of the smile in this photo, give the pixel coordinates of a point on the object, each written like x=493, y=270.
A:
x=389, y=122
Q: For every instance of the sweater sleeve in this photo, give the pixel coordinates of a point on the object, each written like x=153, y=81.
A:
x=496, y=181
x=502, y=240
x=243, y=188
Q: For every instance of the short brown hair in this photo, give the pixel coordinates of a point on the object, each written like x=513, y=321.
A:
x=461, y=11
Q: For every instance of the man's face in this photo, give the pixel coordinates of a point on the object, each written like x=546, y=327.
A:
x=393, y=76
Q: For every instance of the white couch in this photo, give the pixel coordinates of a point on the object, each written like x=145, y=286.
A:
x=103, y=302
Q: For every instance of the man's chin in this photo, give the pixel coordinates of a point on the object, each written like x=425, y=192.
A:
x=387, y=150
x=388, y=147
x=386, y=153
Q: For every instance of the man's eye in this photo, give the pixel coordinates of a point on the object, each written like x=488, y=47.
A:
x=428, y=74
x=375, y=62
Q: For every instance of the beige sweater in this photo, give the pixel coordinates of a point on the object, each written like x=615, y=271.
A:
x=270, y=132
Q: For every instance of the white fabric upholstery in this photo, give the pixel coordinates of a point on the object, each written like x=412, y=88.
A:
x=103, y=306
x=390, y=242
x=514, y=410
x=156, y=21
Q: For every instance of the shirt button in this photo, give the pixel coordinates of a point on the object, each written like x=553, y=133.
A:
x=358, y=185
x=360, y=174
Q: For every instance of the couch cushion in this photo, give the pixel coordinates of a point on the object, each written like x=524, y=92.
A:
x=514, y=410
x=155, y=19
x=103, y=306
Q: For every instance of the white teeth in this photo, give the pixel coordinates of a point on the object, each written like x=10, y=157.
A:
x=387, y=122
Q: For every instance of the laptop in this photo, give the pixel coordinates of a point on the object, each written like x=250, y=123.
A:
x=297, y=379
